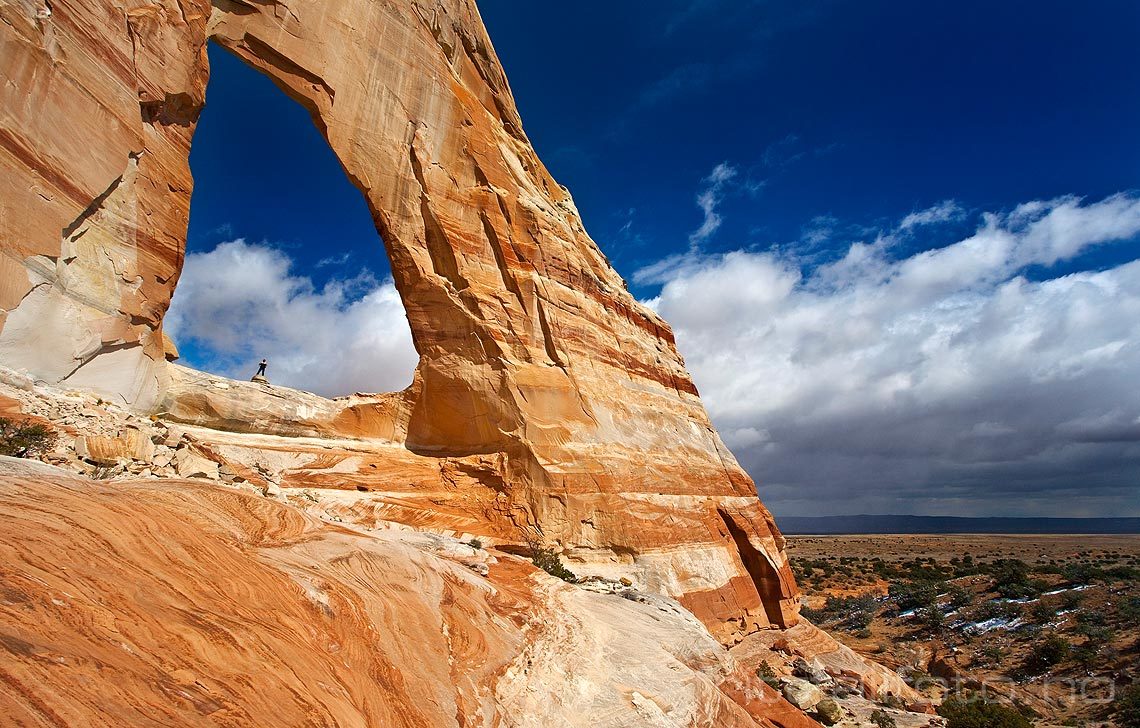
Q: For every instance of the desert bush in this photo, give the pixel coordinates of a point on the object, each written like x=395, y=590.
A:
x=1123, y=573
x=1097, y=634
x=1130, y=610
x=959, y=596
x=768, y=675
x=914, y=594
x=1126, y=708
x=1071, y=599
x=1079, y=573
x=1043, y=612
x=24, y=440
x=973, y=712
x=883, y=719
x=994, y=610
x=1045, y=654
x=1011, y=579
x=1087, y=654
x=475, y=544
x=991, y=654
x=931, y=618
x=856, y=613
x=549, y=561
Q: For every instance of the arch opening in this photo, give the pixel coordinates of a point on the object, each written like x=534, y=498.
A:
x=283, y=261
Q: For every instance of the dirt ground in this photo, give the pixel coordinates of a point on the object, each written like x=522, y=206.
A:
x=943, y=547
x=1048, y=624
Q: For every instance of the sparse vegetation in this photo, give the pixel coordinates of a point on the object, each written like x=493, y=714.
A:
x=1023, y=612
x=1046, y=653
x=1043, y=613
x=475, y=544
x=550, y=562
x=852, y=613
x=974, y=712
x=1126, y=708
x=1011, y=579
x=24, y=440
x=768, y=675
x=914, y=594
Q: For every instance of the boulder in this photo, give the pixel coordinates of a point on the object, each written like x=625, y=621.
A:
x=138, y=444
x=812, y=673
x=104, y=450
x=828, y=711
x=801, y=693
x=190, y=464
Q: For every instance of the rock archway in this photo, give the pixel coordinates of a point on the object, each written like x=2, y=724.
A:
x=533, y=352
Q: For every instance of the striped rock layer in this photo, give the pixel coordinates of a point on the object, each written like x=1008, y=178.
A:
x=564, y=401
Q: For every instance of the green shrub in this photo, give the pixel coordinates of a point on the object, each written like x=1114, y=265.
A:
x=959, y=596
x=914, y=594
x=1126, y=708
x=1097, y=634
x=992, y=610
x=1087, y=654
x=973, y=712
x=475, y=544
x=1080, y=573
x=931, y=618
x=547, y=560
x=1011, y=579
x=1130, y=610
x=1045, y=654
x=1043, y=613
x=1071, y=599
x=24, y=440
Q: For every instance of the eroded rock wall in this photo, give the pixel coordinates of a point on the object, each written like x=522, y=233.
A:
x=532, y=350
x=97, y=107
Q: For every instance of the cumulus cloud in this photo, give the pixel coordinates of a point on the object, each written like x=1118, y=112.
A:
x=947, y=382
x=241, y=302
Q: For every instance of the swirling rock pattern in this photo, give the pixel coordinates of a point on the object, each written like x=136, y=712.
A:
x=177, y=603
x=534, y=355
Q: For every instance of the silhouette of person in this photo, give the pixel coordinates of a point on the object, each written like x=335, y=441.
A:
x=261, y=369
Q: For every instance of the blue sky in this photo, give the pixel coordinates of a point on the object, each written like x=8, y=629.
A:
x=931, y=207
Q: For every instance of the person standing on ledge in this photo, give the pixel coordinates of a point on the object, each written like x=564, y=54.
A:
x=261, y=368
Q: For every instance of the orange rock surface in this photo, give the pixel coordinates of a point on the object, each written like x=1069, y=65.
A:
x=536, y=362
x=177, y=603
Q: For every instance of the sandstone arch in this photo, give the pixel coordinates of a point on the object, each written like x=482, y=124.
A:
x=532, y=351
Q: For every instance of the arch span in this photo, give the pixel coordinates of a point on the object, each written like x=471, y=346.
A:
x=532, y=350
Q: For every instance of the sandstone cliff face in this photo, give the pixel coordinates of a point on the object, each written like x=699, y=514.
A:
x=188, y=604
x=97, y=108
x=534, y=356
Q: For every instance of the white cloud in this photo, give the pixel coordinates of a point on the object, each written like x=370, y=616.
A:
x=942, y=212
x=241, y=302
x=709, y=199
x=946, y=382
x=712, y=191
